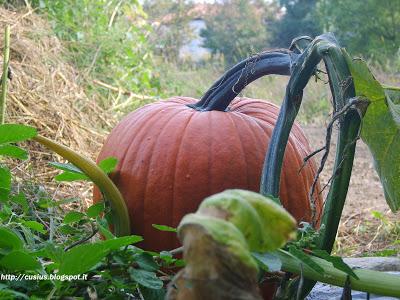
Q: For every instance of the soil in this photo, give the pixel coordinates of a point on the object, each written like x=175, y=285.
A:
x=360, y=232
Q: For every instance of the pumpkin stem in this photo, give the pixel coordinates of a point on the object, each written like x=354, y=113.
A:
x=226, y=88
x=326, y=48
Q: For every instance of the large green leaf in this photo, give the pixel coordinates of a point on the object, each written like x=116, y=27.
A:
x=380, y=128
x=11, y=133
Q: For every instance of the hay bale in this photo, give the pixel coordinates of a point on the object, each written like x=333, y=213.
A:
x=44, y=92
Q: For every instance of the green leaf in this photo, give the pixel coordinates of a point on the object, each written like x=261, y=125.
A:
x=117, y=243
x=36, y=226
x=9, y=240
x=102, y=226
x=70, y=176
x=146, y=278
x=164, y=228
x=20, y=199
x=380, y=128
x=73, y=216
x=19, y=261
x=5, y=183
x=13, y=151
x=336, y=261
x=151, y=294
x=66, y=167
x=11, y=133
x=268, y=261
x=304, y=258
x=94, y=210
x=108, y=164
x=146, y=261
x=82, y=258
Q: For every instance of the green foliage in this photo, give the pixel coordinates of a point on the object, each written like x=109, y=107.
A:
x=231, y=33
x=369, y=27
x=107, y=41
x=300, y=17
x=380, y=128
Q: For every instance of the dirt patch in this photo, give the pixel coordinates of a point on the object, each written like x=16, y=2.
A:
x=360, y=232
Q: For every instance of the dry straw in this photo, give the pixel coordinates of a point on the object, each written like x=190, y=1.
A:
x=45, y=93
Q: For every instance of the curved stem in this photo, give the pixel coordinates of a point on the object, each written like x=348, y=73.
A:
x=369, y=281
x=225, y=89
x=323, y=47
x=121, y=221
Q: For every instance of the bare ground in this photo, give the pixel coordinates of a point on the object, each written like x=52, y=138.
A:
x=362, y=232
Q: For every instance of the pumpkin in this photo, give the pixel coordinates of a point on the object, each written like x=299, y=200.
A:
x=172, y=156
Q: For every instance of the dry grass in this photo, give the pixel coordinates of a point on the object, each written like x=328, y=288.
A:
x=44, y=93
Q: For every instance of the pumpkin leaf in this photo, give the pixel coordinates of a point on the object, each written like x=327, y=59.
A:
x=108, y=164
x=336, y=261
x=164, y=228
x=11, y=133
x=5, y=183
x=268, y=261
x=380, y=128
x=305, y=259
x=13, y=151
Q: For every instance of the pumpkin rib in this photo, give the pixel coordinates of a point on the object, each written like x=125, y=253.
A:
x=182, y=137
x=210, y=153
x=258, y=144
x=230, y=115
x=142, y=189
x=170, y=117
x=133, y=140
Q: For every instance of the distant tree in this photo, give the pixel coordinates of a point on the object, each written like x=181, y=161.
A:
x=236, y=29
x=298, y=17
x=369, y=27
x=170, y=20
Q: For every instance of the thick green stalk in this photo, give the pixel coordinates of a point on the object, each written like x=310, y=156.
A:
x=6, y=58
x=373, y=282
x=121, y=221
x=323, y=47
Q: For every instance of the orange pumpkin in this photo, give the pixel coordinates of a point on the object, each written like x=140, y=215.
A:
x=171, y=156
